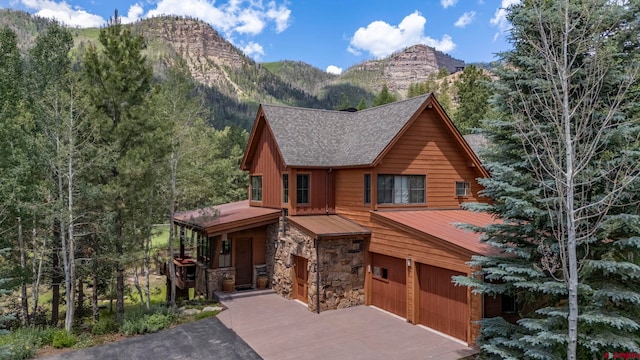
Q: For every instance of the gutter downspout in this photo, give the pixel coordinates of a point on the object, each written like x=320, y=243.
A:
x=326, y=191
x=317, y=276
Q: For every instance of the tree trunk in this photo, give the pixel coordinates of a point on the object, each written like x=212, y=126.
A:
x=94, y=296
x=23, y=284
x=119, y=269
x=55, y=276
x=147, y=251
x=37, y=267
x=136, y=283
x=80, y=308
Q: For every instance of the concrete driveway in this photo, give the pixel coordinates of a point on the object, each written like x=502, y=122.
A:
x=277, y=328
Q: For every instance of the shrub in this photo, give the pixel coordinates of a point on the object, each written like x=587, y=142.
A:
x=157, y=322
x=106, y=325
x=23, y=343
x=142, y=321
x=63, y=339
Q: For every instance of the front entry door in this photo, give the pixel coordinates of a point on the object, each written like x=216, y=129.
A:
x=300, y=278
x=244, y=272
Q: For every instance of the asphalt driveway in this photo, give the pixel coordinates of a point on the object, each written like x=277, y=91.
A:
x=203, y=339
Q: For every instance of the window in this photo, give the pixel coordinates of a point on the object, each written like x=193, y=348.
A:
x=401, y=189
x=380, y=273
x=256, y=188
x=508, y=304
x=367, y=188
x=463, y=188
x=225, y=254
x=203, y=249
x=302, y=189
x=285, y=188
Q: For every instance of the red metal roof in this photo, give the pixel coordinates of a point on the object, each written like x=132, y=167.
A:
x=441, y=224
x=328, y=226
x=227, y=217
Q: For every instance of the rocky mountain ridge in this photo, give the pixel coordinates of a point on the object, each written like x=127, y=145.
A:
x=233, y=84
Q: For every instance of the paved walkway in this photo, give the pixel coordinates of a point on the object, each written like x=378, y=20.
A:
x=277, y=328
x=202, y=340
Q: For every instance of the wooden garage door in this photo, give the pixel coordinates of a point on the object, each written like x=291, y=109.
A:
x=443, y=306
x=388, y=286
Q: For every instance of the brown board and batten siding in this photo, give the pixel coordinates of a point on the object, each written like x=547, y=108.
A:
x=321, y=192
x=428, y=147
x=268, y=163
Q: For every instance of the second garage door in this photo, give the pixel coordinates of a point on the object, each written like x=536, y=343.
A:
x=443, y=306
x=389, y=285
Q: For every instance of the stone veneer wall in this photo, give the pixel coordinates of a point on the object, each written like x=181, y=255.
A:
x=300, y=244
x=214, y=276
x=341, y=273
x=341, y=267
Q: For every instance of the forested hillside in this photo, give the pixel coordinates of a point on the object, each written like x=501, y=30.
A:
x=231, y=85
x=97, y=148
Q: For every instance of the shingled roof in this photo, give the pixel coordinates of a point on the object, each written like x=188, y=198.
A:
x=325, y=138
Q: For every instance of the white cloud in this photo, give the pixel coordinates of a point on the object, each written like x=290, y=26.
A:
x=253, y=50
x=500, y=17
x=248, y=17
x=332, y=69
x=134, y=14
x=446, y=3
x=381, y=39
x=64, y=13
x=465, y=19
x=280, y=14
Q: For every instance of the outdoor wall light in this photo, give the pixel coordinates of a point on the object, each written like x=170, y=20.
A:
x=408, y=262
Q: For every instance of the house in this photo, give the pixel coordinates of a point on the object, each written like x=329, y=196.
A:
x=353, y=208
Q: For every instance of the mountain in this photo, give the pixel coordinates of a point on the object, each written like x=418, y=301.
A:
x=232, y=85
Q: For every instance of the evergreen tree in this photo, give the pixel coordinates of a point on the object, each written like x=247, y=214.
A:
x=384, y=97
x=362, y=104
x=473, y=99
x=564, y=167
x=18, y=184
x=119, y=88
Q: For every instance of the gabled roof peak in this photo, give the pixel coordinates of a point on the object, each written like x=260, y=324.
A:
x=331, y=138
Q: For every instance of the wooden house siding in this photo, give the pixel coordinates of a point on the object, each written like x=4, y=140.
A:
x=321, y=192
x=268, y=163
x=428, y=147
x=349, y=194
x=423, y=249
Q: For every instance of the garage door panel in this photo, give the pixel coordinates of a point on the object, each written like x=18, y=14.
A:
x=388, y=286
x=443, y=306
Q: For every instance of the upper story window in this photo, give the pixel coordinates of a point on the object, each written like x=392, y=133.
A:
x=256, y=188
x=367, y=188
x=285, y=188
x=401, y=189
x=463, y=188
x=302, y=188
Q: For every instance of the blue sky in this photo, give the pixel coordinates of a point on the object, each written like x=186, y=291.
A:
x=330, y=35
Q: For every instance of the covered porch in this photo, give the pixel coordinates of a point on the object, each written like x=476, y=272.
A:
x=222, y=248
